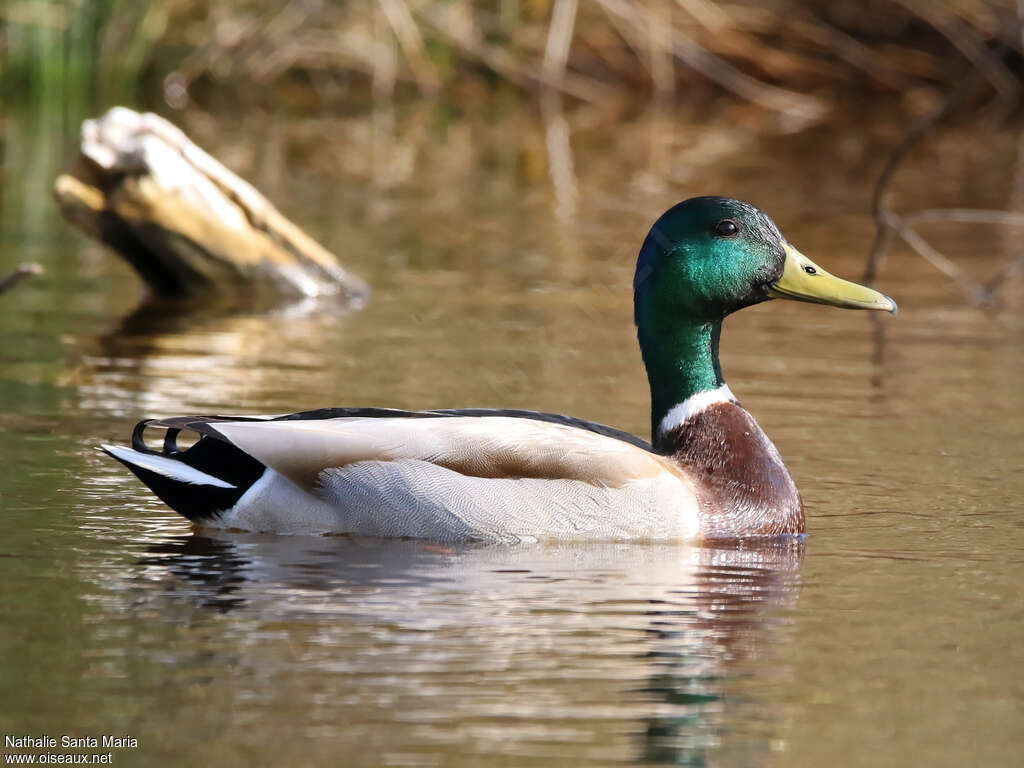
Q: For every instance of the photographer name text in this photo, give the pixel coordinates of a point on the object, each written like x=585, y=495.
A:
x=105, y=741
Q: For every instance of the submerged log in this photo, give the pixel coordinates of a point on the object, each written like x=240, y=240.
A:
x=186, y=223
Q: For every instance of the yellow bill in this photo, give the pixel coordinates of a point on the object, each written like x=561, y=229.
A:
x=804, y=280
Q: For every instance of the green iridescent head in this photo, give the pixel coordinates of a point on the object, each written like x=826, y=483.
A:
x=707, y=257
x=704, y=259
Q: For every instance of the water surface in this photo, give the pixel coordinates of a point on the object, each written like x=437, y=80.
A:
x=501, y=253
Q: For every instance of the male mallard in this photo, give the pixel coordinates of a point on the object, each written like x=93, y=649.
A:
x=498, y=475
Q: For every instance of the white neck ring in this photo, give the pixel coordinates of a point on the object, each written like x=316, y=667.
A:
x=692, y=406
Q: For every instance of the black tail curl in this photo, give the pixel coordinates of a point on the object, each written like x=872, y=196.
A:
x=211, y=454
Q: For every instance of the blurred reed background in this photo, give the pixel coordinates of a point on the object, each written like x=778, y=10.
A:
x=796, y=57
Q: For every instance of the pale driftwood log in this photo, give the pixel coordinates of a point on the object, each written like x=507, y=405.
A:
x=186, y=223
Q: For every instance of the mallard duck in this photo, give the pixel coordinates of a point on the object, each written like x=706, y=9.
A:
x=490, y=475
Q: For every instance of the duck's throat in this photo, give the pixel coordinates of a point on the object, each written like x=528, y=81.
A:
x=683, y=370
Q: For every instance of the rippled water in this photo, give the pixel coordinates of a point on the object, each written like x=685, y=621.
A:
x=501, y=253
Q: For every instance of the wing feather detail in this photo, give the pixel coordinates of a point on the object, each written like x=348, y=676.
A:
x=418, y=499
x=487, y=447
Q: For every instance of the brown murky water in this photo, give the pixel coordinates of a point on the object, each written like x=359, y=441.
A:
x=501, y=253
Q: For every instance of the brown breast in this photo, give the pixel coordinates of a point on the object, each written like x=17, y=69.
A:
x=743, y=487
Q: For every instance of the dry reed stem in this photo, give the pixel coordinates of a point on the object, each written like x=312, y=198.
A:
x=973, y=48
x=408, y=34
x=385, y=58
x=799, y=106
x=560, y=34
x=500, y=60
x=588, y=50
x=662, y=61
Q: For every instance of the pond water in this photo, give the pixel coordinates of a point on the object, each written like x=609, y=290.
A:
x=500, y=250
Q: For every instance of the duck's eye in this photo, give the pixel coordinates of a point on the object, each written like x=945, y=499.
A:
x=726, y=228
x=810, y=270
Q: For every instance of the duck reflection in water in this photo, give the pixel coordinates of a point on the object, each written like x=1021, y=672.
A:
x=705, y=645
x=677, y=646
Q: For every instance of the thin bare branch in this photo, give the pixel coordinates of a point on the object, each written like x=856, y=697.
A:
x=973, y=291
x=915, y=135
x=24, y=270
x=963, y=216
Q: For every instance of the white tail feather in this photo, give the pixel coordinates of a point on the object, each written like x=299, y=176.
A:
x=161, y=465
